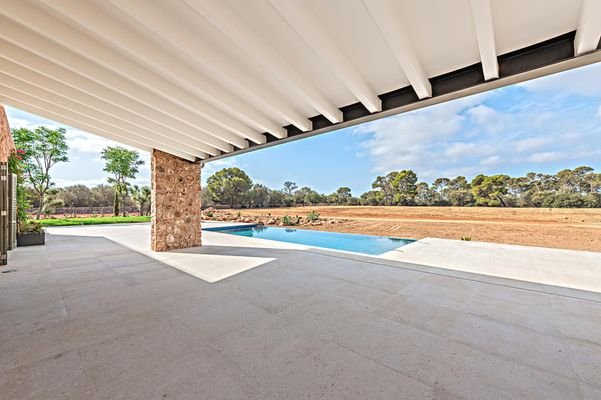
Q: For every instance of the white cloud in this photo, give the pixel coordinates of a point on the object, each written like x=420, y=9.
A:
x=17, y=123
x=582, y=81
x=468, y=149
x=531, y=144
x=486, y=134
x=86, y=142
x=546, y=157
x=491, y=161
x=411, y=140
x=487, y=118
x=210, y=168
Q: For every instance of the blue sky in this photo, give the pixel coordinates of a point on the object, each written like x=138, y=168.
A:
x=543, y=125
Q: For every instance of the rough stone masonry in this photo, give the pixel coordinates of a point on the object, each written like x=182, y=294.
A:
x=175, y=202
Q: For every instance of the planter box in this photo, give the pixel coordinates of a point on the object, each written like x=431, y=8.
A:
x=31, y=239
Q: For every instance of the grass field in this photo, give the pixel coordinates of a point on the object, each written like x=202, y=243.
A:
x=578, y=229
x=92, y=221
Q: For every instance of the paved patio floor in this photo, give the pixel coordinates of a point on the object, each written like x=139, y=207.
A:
x=87, y=318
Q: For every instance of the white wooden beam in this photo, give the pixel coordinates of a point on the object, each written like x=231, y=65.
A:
x=114, y=124
x=211, y=61
x=300, y=18
x=192, y=85
x=39, y=108
x=485, y=34
x=138, y=113
x=119, y=76
x=76, y=65
x=384, y=15
x=589, y=27
x=151, y=129
x=222, y=17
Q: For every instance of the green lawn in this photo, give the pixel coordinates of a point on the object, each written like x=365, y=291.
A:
x=91, y=221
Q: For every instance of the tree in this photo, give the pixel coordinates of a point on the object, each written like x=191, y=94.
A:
x=76, y=196
x=440, y=187
x=593, y=183
x=43, y=148
x=564, y=200
x=258, y=196
x=102, y=196
x=123, y=164
x=459, y=192
x=344, y=194
x=490, y=190
x=424, y=194
x=52, y=201
x=206, y=199
x=229, y=186
x=289, y=187
x=404, y=186
x=372, y=198
x=277, y=198
x=384, y=184
x=306, y=195
x=142, y=197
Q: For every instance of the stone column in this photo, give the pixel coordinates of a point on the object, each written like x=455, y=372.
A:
x=175, y=202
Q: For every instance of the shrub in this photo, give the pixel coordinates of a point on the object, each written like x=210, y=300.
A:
x=565, y=200
x=290, y=221
x=592, y=200
x=30, y=226
x=313, y=216
x=466, y=238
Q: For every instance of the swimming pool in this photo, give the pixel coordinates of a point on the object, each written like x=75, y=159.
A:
x=366, y=244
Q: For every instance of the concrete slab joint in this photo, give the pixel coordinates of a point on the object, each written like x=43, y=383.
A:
x=175, y=202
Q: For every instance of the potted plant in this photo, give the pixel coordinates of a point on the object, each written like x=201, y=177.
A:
x=30, y=234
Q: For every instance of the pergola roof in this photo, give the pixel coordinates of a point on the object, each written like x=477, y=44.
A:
x=207, y=79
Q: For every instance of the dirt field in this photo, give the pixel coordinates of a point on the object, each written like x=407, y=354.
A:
x=578, y=229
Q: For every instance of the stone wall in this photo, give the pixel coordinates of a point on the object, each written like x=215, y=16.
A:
x=175, y=202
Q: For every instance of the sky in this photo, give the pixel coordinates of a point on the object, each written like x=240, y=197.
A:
x=543, y=125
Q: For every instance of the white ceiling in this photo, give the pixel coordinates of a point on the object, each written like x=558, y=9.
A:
x=200, y=78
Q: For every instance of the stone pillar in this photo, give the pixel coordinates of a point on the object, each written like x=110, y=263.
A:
x=175, y=202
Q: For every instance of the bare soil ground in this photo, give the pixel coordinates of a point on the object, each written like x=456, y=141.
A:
x=577, y=229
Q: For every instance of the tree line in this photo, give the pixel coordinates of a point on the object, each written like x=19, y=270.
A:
x=568, y=188
x=39, y=150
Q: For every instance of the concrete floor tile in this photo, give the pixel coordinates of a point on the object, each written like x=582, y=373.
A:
x=211, y=321
x=513, y=342
x=432, y=318
x=590, y=392
x=335, y=372
x=56, y=377
x=112, y=361
x=544, y=320
x=586, y=360
x=142, y=267
x=275, y=345
x=465, y=371
x=143, y=277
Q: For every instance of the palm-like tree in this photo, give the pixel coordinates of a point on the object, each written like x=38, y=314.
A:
x=142, y=197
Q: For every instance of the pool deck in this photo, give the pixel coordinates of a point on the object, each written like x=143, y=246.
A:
x=89, y=317
x=555, y=267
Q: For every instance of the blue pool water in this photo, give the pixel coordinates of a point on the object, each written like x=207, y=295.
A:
x=366, y=244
